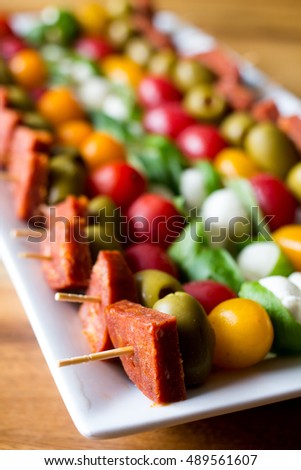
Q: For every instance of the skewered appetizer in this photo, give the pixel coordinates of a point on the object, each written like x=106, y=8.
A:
x=165, y=191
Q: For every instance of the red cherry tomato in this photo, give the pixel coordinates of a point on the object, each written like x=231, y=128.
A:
x=5, y=29
x=209, y=293
x=154, y=91
x=168, y=119
x=154, y=219
x=274, y=199
x=120, y=181
x=10, y=45
x=94, y=48
x=148, y=256
x=200, y=142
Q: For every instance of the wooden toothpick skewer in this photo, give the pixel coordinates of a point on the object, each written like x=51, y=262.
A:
x=27, y=232
x=19, y=232
x=65, y=297
x=35, y=256
x=100, y=356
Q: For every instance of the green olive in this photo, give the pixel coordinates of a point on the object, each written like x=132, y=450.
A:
x=293, y=181
x=63, y=165
x=101, y=238
x=19, y=98
x=188, y=73
x=5, y=75
x=103, y=208
x=35, y=120
x=271, y=149
x=162, y=62
x=119, y=31
x=66, y=176
x=154, y=284
x=202, y=102
x=139, y=50
x=235, y=127
x=196, y=336
x=58, y=191
x=64, y=150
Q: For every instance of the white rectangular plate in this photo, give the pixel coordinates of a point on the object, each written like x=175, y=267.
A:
x=101, y=400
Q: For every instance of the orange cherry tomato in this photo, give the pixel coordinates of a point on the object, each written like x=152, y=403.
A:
x=100, y=148
x=122, y=69
x=59, y=105
x=243, y=333
x=28, y=68
x=74, y=132
x=92, y=17
x=288, y=238
x=234, y=163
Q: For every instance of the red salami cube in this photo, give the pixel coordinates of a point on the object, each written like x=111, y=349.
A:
x=239, y=96
x=265, y=111
x=72, y=208
x=69, y=265
x=29, y=173
x=26, y=139
x=9, y=119
x=111, y=280
x=155, y=366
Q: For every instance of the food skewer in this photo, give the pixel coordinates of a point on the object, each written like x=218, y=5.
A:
x=99, y=356
x=147, y=343
x=106, y=283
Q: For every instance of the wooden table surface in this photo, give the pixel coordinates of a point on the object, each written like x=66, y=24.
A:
x=32, y=414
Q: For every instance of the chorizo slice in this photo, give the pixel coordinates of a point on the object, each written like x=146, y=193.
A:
x=29, y=172
x=72, y=208
x=238, y=96
x=266, y=110
x=9, y=118
x=69, y=264
x=26, y=139
x=155, y=366
x=111, y=280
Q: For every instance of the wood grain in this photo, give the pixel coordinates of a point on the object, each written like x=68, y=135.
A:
x=32, y=414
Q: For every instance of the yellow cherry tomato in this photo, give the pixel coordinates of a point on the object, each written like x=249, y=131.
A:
x=122, y=69
x=28, y=68
x=92, y=17
x=74, y=132
x=58, y=105
x=243, y=333
x=234, y=163
x=288, y=238
x=100, y=148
